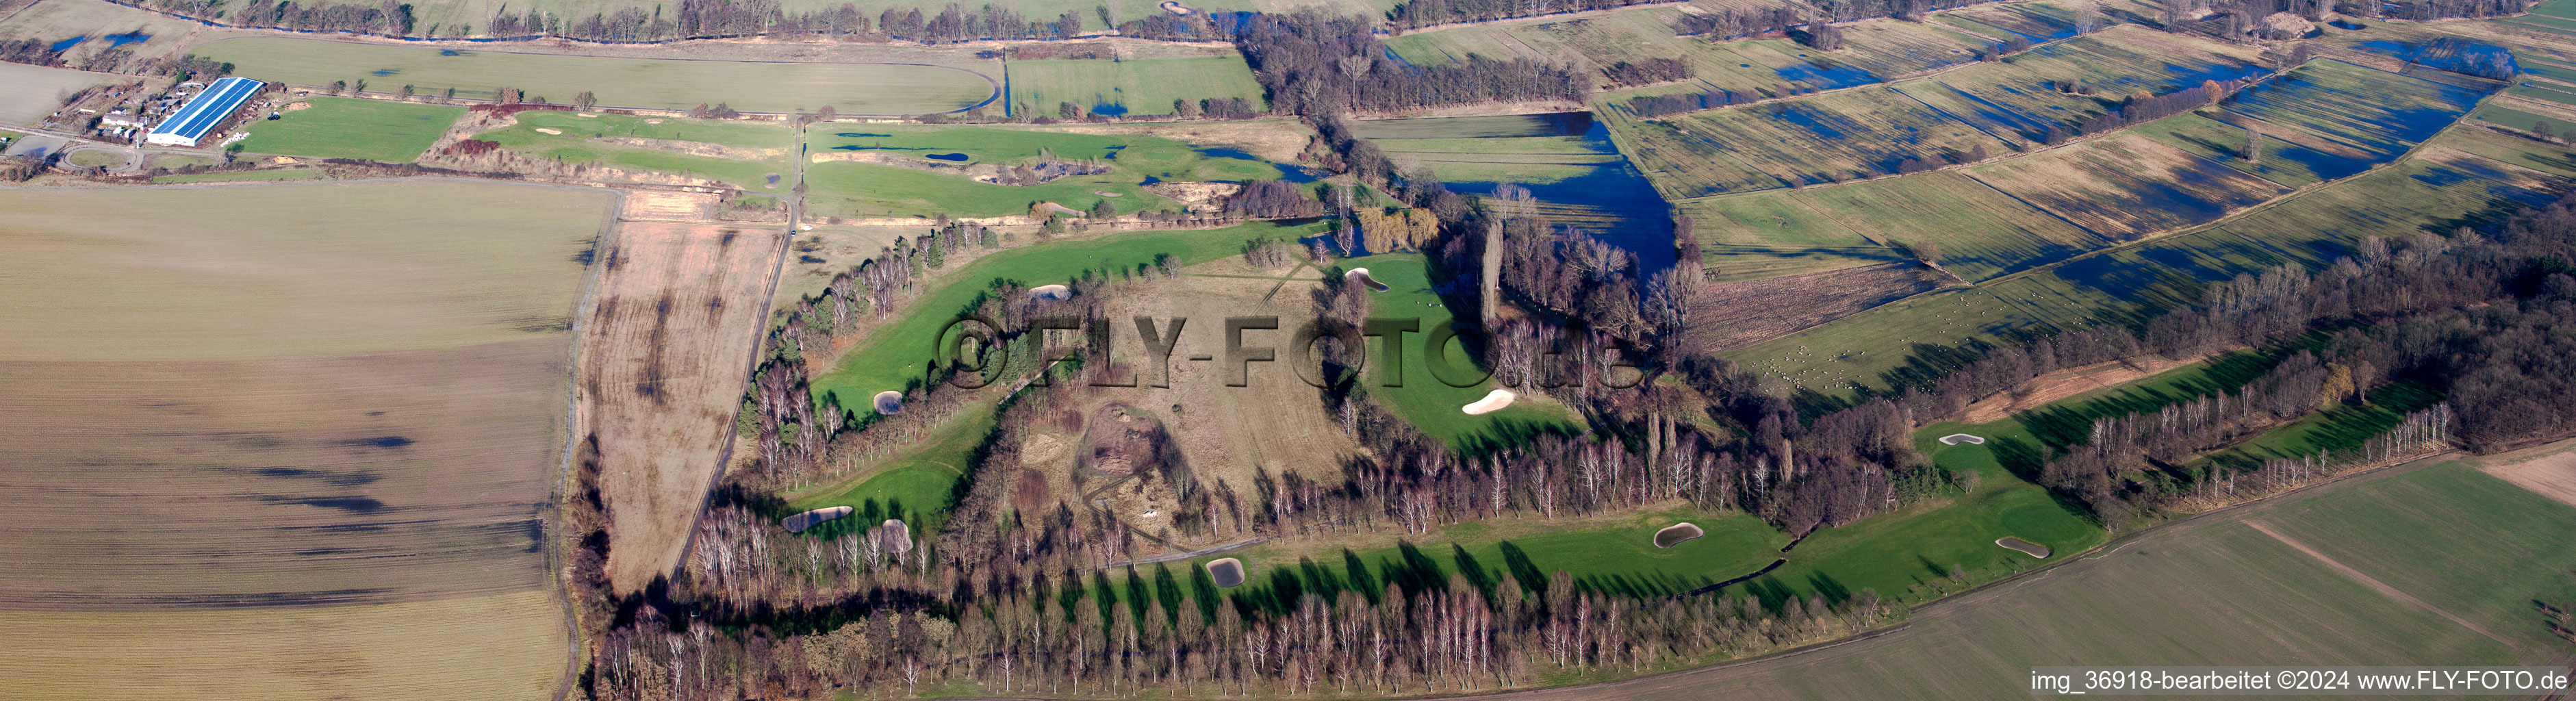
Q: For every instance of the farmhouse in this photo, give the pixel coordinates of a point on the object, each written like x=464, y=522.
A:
x=204, y=111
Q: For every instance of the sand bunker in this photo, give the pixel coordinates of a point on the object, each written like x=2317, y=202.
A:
x=1051, y=293
x=1494, y=401
x=1361, y=276
x=889, y=403
x=652, y=121
x=1228, y=572
x=1174, y=7
x=1106, y=193
x=2023, y=546
x=1958, y=438
x=554, y=132
x=798, y=523
x=1049, y=209
x=585, y=115
x=897, y=537
x=1677, y=534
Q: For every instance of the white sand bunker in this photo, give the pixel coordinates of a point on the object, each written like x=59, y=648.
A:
x=652, y=121
x=1677, y=534
x=1361, y=276
x=1228, y=572
x=2023, y=546
x=1958, y=438
x=889, y=402
x=798, y=523
x=585, y=115
x=1174, y=7
x=1494, y=401
x=1051, y=293
x=555, y=132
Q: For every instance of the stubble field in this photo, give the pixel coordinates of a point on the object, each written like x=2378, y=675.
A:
x=299, y=434
x=665, y=354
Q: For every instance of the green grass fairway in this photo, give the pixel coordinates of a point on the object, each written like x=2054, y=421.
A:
x=1617, y=556
x=897, y=355
x=855, y=188
x=1427, y=402
x=1907, y=555
x=754, y=151
x=339, y=127
x=850, y=88
x=1131, y=87
x=577, y=128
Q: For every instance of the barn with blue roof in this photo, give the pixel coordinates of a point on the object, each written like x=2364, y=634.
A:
x=204, y=112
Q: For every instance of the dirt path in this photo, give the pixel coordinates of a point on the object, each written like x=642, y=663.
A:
x=2374, y=584
x=2070, y=382
x=1194, y=554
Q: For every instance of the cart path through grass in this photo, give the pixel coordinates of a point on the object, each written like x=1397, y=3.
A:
x=2375, y=585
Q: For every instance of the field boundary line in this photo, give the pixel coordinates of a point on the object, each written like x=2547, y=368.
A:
x=576, y=424
x=2373, y=583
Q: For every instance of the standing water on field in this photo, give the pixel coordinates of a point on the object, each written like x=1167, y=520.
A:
x=1567, y=161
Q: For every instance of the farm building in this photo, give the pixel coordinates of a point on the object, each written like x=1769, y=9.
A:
x=204, y=112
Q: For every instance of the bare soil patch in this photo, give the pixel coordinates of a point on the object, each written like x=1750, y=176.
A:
x=1277, y=423
x=2552, y=475
x=2070, y=382
x=1737, y=314
x=664, y=358
x=668, y=206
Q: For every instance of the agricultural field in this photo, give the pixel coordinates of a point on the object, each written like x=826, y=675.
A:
x=1728, y=315
x=29, y=93
x=90, y=29
x=2127, y=187
x=1132, y=87
x=363, y=476
x=2442, y=188
x=1826, y=138
x=889, y=170
x=2379, y=113
x=666, y=351
x=660, y=84
x=2017, y=100
x=2431, y=559
x=1982, y=233
x=1876, y=50
x=446, y=18
x=336, y=127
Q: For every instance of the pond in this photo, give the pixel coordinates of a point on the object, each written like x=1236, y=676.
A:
x=946, y=156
